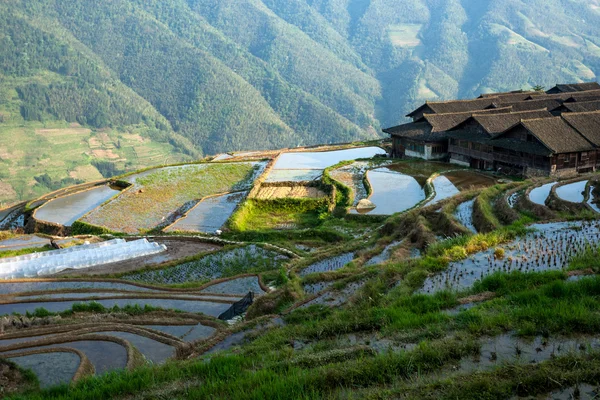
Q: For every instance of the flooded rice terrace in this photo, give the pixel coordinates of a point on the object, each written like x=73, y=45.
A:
x=540, y=194
x=210, y=214
x=550, y=247
x=213, y=266
x=66, y=210
x=393, y=191
x=444, y=188
x=592, y=200
x=573, y=192
x=329, y=264
x=308, y=166
x=205, y=307
x=51, y=369
x=464, y=215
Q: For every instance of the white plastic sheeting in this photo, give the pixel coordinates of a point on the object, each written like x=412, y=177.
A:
x=77, y=257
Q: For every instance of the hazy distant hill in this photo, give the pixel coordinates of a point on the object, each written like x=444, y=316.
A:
x=203, y=76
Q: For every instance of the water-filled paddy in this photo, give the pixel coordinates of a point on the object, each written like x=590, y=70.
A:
x=573, y=192
x=24, y=242
x=444, y=189
x=214, y=266
x=236, y=286
x=22, y=287
x=51, y=369
x=352, y=176
x=330, y=264
x=592, y=200
x=464, y=215
x=294, y=175
x=210, y=214
x=194, y=306
x=540, y=194
x=385, y=254
x=152, y=350
x=393, y=191
x=82, y=296
x=550, y=247
x=188, y=333
x=66, y=210
x=104, y=355
x=324, y=159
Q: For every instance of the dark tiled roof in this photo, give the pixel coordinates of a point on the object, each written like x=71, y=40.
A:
x=586, y=123
x=574, y=87
x=444, y=122
x=557, y=135
x=496, y=124
x=582, y=106
x=415, y=131
x=511, y=96
x=530, y=105
x=454, y=106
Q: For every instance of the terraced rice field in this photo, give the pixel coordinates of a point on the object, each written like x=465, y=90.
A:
x=66, y=210
x=330, y=264
x=550, y=247
x=464, y=215
x=385, y=254
x=572, y=192
x=308, y=166
x=444, y=189
x=540, y=194
x=238, y=285
x=194, y=306
x=210, y=214
x=51, y=369
x=213, y=266
x=157, y=195
x=353, y=176
x=393, y=191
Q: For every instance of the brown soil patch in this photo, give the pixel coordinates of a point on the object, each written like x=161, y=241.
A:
x=466, y=180
x=101, y=153
x=62, y=132
x=94, y=142
x=295, y=192
x=581, y=272
x=7, y=191
x=476, y=298
x=11, y=379
x=177, y=248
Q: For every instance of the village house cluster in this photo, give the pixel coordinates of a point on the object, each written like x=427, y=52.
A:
x=530, y=133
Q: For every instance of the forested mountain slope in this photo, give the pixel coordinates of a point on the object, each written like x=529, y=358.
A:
x=204, y=76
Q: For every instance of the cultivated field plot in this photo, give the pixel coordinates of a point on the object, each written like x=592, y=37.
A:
x=157, y=195
x=213, y=266
x=66, y=210
x=572, y=192
x=292, y=192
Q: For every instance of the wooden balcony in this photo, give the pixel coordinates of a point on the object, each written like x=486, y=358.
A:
x=480, y=155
